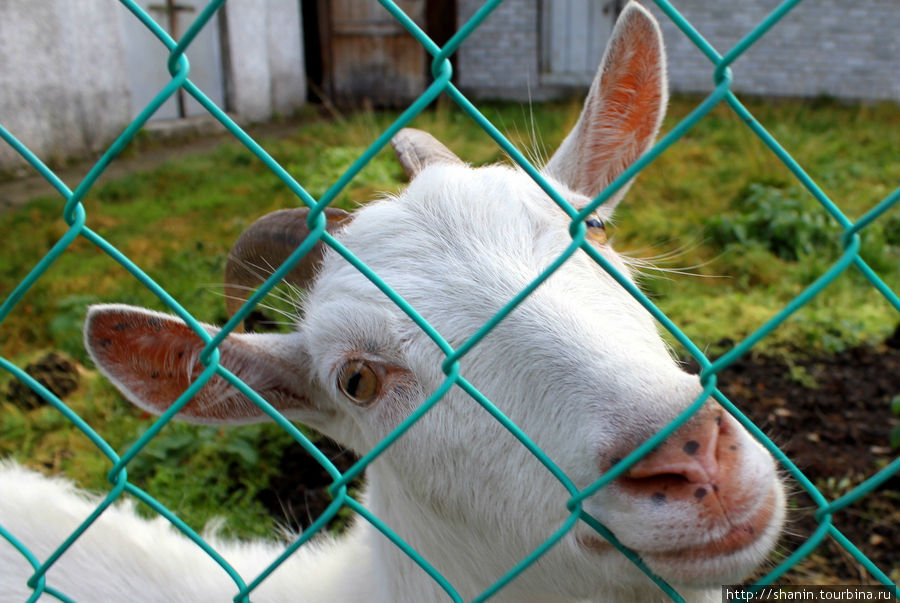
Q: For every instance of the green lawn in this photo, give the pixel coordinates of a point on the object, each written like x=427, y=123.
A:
x=717, y=206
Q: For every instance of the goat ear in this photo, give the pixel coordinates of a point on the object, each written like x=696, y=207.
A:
x=623, y=111
x=266, y=244
x=416, y=150
x=153, y=358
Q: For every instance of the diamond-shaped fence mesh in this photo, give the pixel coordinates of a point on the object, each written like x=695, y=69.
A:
x=75, y=215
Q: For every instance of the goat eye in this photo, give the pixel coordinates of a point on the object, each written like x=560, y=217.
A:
x=358, y=381
x=596, y=230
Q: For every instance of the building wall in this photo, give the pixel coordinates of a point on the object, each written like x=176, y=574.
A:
x=66, y=93
x=64, y=75
x=500, y=59
x=62, y=93
x=848, y=50
x=265, y=70
x=146, y=59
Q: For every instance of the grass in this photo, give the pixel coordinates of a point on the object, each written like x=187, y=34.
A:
x=721, y=173
x=718, y=205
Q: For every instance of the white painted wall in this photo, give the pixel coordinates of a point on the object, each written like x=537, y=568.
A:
x=63, y=84
x=147, y=59
x=74, y=73
x=266, y=78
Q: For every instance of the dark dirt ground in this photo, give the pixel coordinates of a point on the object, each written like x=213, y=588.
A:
x=830, y=415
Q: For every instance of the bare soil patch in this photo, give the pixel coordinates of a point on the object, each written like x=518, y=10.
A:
x=831, y=416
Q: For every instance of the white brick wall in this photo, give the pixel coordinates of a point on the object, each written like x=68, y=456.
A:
x=838, y=48
x=848, y=49
x=500, y=59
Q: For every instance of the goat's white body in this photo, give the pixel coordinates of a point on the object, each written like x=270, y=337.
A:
x=578, y=366
x=125, y=557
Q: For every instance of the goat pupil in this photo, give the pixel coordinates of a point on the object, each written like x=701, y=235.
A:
x=593, y=223
x=353, y=383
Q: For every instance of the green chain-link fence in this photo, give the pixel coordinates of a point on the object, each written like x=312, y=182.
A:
x=74, y=214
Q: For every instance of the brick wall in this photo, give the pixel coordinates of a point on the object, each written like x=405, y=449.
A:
x=846, y=49
x=500, y=59
x=841, y=48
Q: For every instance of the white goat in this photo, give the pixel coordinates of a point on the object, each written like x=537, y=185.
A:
x=579, y=366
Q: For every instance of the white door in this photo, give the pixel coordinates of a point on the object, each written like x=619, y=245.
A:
x=574, y=34
x=146, y=57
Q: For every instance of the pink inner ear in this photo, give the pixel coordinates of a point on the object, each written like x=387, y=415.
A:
x=154, y=358
x=634, y=94
x=626, y=113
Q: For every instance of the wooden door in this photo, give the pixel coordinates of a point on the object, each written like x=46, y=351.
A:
x=367, y=56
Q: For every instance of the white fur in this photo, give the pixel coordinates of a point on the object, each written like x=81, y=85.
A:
x=578, y=366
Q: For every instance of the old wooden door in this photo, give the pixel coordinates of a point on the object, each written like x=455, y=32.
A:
x=367, y=56
x=574, y=34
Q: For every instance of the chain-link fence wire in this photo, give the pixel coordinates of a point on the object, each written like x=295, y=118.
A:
x=74, y=213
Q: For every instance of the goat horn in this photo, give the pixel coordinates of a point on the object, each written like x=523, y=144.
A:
x=416, y=150
x=265, y=245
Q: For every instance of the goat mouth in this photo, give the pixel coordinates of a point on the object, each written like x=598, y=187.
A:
x=728, y=557
x=741, y=535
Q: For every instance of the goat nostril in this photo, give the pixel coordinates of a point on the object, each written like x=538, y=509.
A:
x=685, y=461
